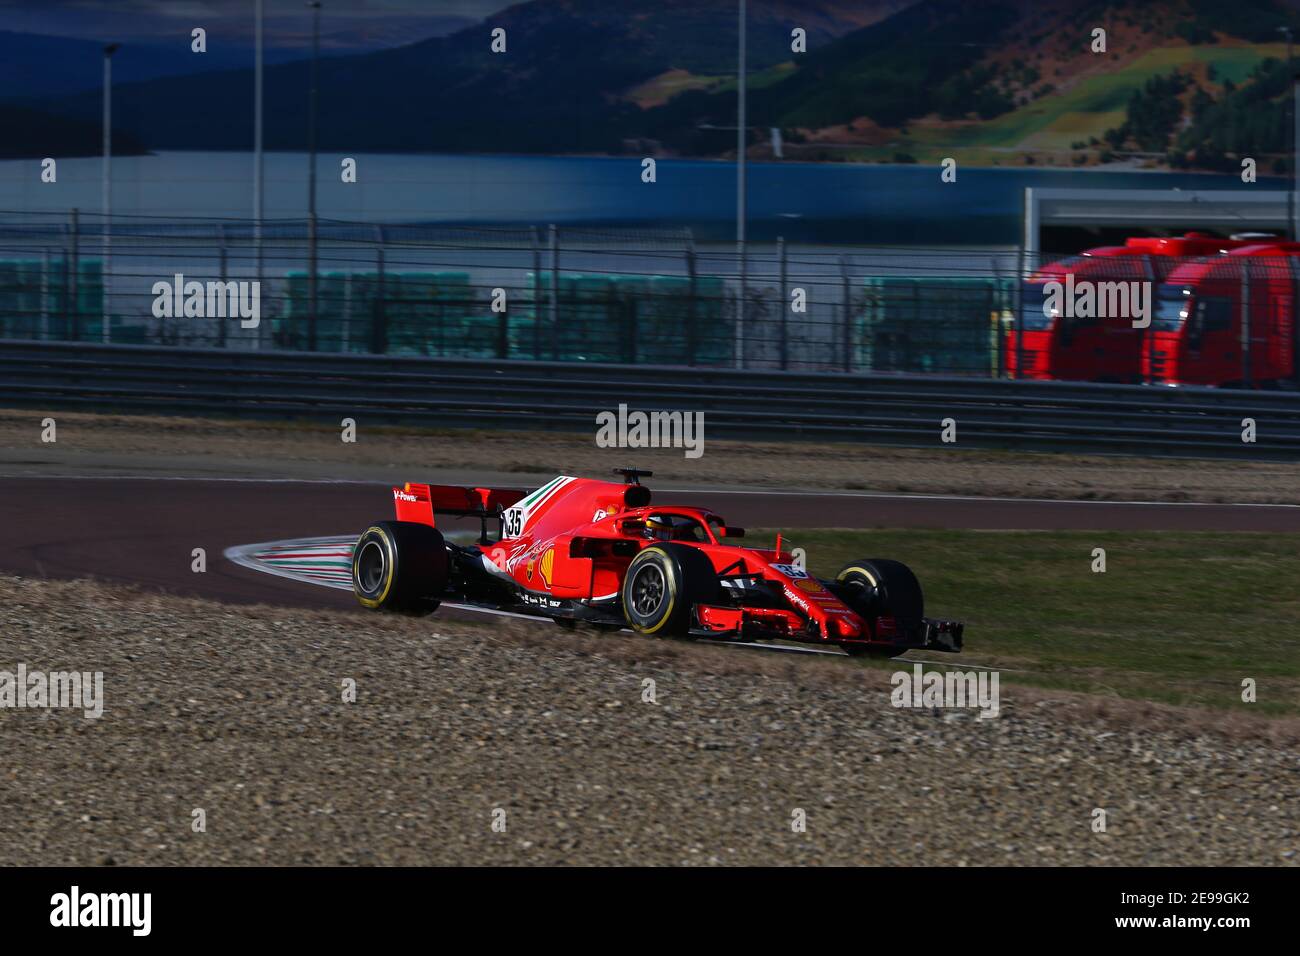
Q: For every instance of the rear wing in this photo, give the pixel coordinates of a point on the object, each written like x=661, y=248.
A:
x=419, y=503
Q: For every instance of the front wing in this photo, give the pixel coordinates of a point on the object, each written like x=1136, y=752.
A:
x=763, y=622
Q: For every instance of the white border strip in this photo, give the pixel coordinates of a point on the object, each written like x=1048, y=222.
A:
x=242, y=555
x=1042, y=501
x=774, y=493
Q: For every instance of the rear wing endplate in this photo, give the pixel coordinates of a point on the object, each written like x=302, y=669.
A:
x=420, y=502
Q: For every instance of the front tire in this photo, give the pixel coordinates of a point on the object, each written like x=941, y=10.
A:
x=663, y=584
x=878, y=587
x=400, y=567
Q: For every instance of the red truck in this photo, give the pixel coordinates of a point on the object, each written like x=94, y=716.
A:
x=1050, y=344
x=1228, y=320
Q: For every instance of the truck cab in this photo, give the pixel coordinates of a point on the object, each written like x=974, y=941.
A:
x=1058, y=345
x=1228, y=320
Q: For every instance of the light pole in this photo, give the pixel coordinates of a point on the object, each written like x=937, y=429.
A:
x=311, y=180
x=1295, y=134
x=258, y=202
x=741, y=131
x=106, y=199
x=1295, y=124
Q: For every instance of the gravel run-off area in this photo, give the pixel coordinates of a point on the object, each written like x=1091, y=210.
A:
x=240, y=712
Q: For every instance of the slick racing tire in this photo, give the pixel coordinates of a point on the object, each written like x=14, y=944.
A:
x=878, y=587
x=663, y=584
x=400, y=567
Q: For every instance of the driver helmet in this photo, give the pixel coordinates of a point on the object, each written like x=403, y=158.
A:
x=659, y=527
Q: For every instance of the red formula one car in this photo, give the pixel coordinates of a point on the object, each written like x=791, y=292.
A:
x=581, y=550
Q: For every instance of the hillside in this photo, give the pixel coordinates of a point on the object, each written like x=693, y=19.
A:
x=1191, y=84
x=46, y=66
x=561, y=86
x=58, y=136
x=1182, y=83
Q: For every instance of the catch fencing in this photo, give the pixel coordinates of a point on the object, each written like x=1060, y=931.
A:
x=513, y=293
x=645, y=296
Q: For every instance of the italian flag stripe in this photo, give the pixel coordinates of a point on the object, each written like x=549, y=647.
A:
x=539, y=492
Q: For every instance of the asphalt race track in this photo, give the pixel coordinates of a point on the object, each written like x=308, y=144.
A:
x=142, y=531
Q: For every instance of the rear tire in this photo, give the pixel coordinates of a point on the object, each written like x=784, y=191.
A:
x=663, y=584
x=878, y=587
x=400, y=567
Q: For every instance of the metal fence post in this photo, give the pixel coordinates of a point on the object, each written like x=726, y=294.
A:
x=692, y=306
x=255, y=335
x=915, y=345
x=1245, y=324
x=741, y=305
x=347, y=313
x=503, y=332
x=75, y=242
x=537, y=294
x=312, y=291
x=995, y=298
x=783, y=306
x=631, y=352
x=996, y=320
x=379, y=321
x=555, y=292
x=221, y=317
x=1293, y=367
x=63, y=293
x=1147, y=346
x=846, y=298
x=1019, y=300
x=106, y=280
x=45, y=294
